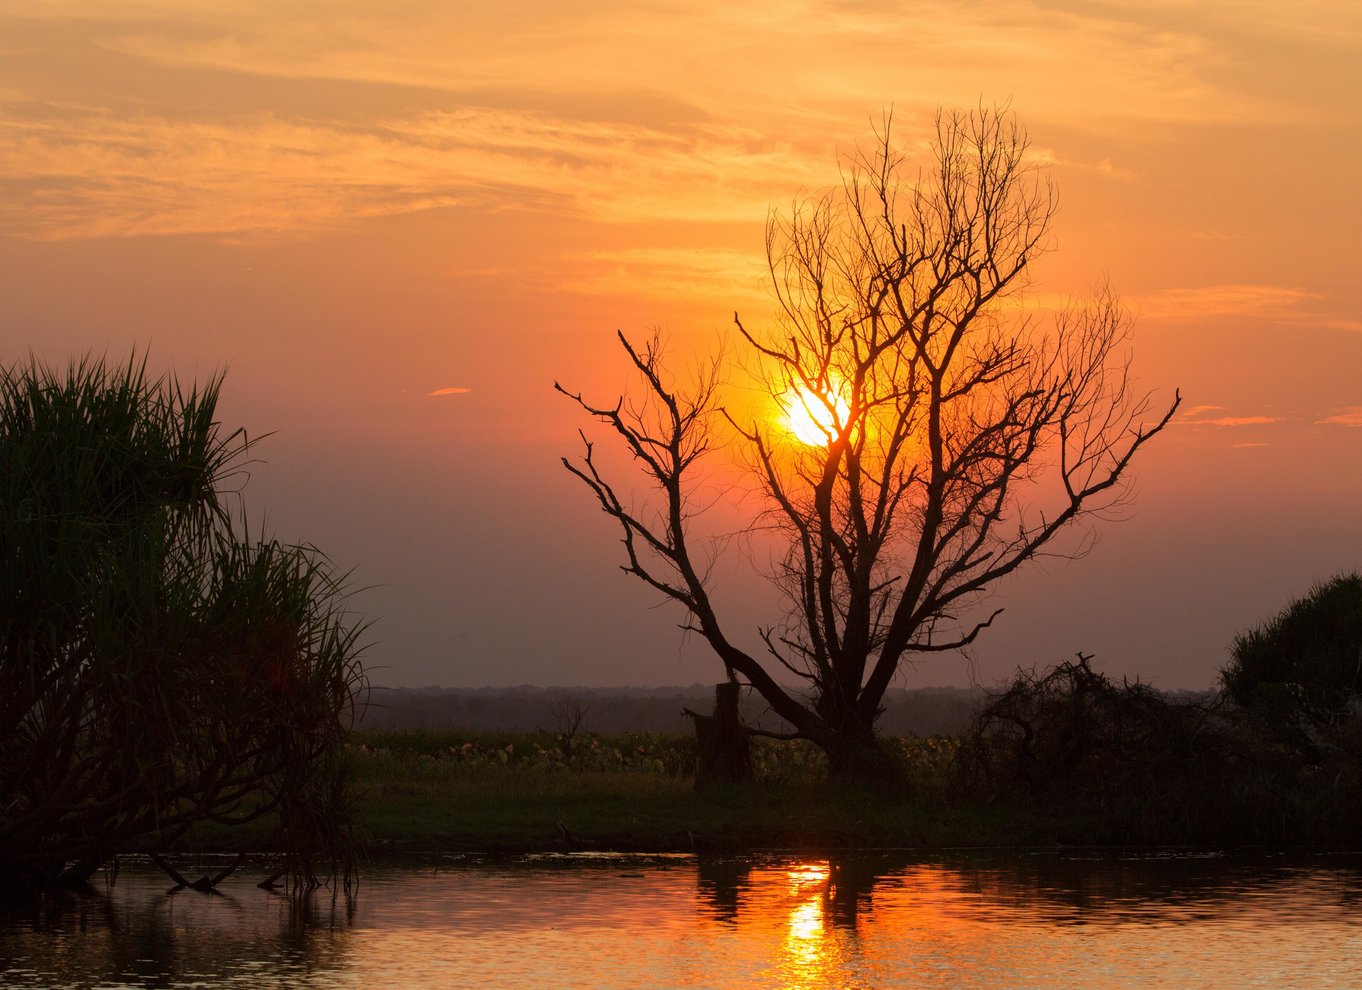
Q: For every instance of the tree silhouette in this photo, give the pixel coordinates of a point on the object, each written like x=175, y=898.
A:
x=1300, y=672
x=937, y=435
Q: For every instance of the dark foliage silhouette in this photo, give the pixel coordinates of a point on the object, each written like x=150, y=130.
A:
x=1301, y=672
x=1123, y=763
x=158, y=668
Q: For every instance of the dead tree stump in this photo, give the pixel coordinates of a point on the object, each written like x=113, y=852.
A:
x=723, y=747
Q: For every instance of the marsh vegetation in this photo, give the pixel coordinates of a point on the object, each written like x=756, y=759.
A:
x=1063, y=754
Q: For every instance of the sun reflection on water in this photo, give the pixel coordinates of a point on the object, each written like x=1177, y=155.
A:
x=804, y=941
x=734, y=923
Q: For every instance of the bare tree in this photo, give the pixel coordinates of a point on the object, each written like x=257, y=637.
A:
x=938, y=434
x=569, y=712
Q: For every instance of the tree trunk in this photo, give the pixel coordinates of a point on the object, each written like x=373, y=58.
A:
x=855, y=753
x=722, y=744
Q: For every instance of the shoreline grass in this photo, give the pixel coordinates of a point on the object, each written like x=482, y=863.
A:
x=508, y=793
x=447, y=791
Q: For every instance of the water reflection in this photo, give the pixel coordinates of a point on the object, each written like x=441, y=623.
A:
x=1042, y=920
x=134, y=932
x=599, y=922
x=722, y=882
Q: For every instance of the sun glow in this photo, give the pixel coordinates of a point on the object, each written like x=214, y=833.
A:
x=813, y=417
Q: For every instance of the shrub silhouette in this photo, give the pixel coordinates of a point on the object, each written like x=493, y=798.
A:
x=1301, y=672
x=1070, y=727
x=1121, y=762
x=157, y=667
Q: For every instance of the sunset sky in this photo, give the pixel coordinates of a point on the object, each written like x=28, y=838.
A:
x=396, y=225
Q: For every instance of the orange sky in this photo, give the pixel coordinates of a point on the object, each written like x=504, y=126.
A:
x=396, y=224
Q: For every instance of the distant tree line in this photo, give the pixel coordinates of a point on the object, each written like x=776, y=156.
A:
x=912, y=711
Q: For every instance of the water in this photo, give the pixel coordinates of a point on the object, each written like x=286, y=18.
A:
x=1023, y=920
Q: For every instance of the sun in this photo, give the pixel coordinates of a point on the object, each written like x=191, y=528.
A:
x=813, y=418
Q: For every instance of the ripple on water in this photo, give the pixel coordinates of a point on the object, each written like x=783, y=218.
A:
x=1041, y=920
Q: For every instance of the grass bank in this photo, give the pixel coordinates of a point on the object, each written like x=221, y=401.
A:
x=522, y=792
x=448, y=791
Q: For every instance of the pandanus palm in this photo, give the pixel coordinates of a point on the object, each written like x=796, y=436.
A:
x=158, y=668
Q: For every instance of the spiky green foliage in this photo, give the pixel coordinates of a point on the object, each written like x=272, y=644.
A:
x=158, y=668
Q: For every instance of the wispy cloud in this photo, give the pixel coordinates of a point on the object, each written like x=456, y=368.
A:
x=959, y=49
x=1351, y=416
x=1105, y=167
x=334, y=117
x=1195, y=417
x=1208, y=301
x=1232, y=421
x=450, y=390
x=669, y=271
x=93, y=175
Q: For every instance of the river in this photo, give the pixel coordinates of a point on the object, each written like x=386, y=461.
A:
x=1053, y=919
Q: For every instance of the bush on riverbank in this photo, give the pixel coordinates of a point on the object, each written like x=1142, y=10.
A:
x=1120, y=763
